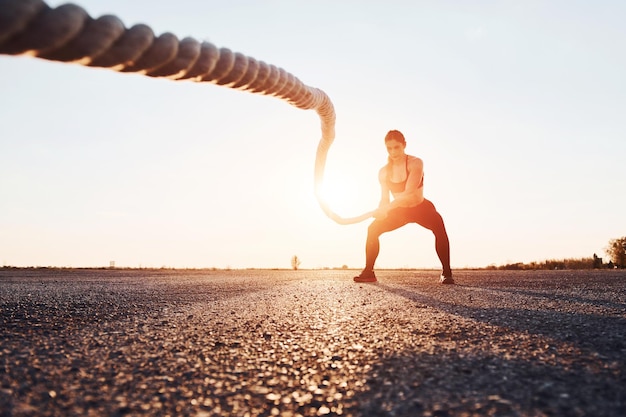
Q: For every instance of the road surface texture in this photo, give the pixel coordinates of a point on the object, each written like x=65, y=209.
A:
x=311, y=343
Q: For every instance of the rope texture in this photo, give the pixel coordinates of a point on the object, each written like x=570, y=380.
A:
x=68, y=34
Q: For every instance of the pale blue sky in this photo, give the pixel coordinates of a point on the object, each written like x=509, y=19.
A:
x=516, y=107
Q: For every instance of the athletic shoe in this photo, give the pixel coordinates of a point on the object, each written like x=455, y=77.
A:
x=365, y=276
x=446, y=280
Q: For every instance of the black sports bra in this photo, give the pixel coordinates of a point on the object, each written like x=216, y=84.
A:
x=398, y=187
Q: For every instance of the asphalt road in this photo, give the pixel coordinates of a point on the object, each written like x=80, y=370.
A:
x=311, y=343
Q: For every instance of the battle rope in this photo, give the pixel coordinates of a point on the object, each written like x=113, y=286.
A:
x=68, y=34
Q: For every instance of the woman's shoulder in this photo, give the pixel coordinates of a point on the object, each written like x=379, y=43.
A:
x=414, y=161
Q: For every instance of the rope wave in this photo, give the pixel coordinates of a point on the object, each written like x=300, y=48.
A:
x=68, y=34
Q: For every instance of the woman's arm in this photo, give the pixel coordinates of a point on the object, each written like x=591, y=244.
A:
x=384, y=204
x=384, y=189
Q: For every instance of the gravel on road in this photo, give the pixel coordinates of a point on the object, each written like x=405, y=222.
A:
x=98, y=342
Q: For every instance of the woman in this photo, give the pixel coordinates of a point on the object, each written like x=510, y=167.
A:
x=403, y=177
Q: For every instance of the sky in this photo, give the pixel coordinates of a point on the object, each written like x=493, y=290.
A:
x=516, y=108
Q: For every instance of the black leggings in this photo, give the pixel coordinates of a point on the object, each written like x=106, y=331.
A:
x=423, y=214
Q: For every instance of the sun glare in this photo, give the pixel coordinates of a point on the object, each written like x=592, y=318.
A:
x=336, y=196
x=345, y=197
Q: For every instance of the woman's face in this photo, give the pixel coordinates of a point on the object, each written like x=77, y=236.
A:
x=395, y=149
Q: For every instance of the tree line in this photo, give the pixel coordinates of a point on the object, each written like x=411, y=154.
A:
x=615, y=250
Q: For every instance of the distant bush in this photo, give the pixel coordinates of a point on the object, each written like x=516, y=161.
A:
x=581, y=263
x=617, y=251
x=295, y=262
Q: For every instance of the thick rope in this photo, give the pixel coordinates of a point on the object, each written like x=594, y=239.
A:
x=68, y=34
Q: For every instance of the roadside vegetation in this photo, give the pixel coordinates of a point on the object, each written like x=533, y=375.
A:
x=615, y=250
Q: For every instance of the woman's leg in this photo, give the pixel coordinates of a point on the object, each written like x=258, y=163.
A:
x=372, y=249
x=442, y=246
x=396, y=218
x=427, y=216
